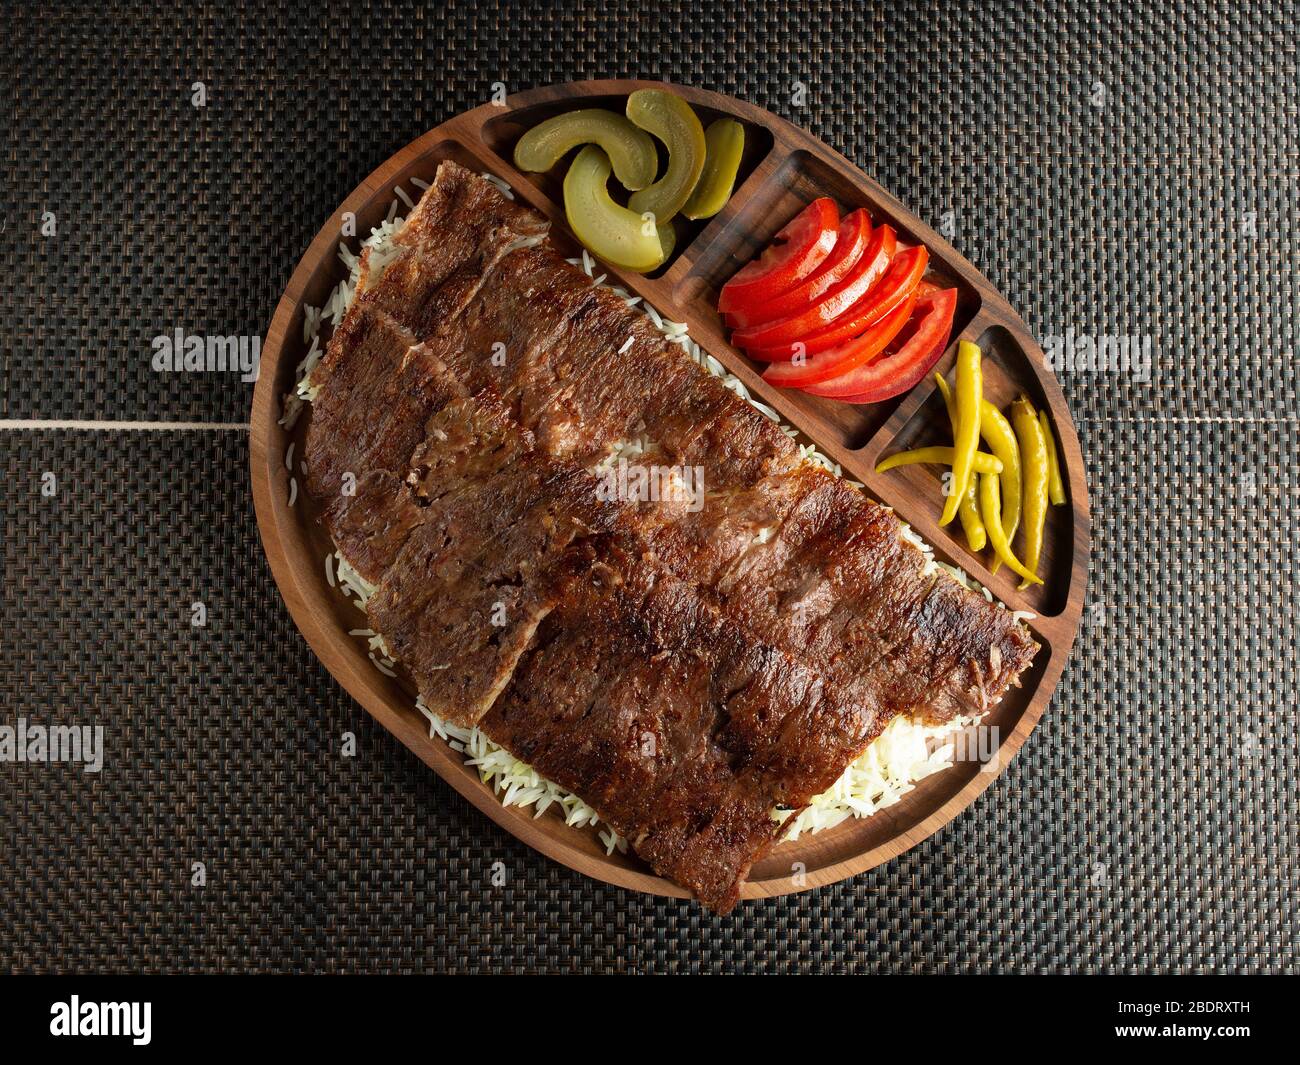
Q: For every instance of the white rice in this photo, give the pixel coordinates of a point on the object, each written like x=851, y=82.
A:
x=525, y=242
x=906, y=752
x=517, y=783
x=506, y=190
x=351, y=583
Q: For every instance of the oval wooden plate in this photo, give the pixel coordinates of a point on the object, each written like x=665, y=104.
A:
x=783, y=169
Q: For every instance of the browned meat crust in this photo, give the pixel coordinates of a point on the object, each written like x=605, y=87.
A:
x=639, y=696
x=367, y=420
x=377, y=384
x=549, y=342
x=685, y=669
x=486, y=558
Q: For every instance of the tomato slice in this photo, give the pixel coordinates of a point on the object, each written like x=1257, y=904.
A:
x=869, y=269
x=900, y=280
x=794, y=253
x=840, y=360
x=905, y=367
x=850, y=244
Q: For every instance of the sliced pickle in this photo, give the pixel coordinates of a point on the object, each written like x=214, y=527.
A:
x=725, y=140
x=667, y=240
x=631, y=151
x=614, y=233
x=671, y=119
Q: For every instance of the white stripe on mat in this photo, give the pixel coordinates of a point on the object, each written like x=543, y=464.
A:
x=18, y=424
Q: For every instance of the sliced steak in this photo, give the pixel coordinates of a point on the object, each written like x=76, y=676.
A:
x=376, y=385
x=369, y=415
x=634, y=696
x=681, y=729
x=840, y=583
x=557, y=348
x=463, y=217
x=486, y=558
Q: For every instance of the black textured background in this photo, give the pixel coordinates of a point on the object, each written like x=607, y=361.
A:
x=1149, y=825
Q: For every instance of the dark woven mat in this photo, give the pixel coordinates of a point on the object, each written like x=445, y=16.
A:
x=1127, y=170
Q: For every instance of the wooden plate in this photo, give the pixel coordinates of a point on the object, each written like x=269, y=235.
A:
x=783, y=169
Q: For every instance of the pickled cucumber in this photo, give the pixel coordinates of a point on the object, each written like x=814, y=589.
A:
x=614, y=233
x=667, y=240
x=725, y=142
x=671, y=119
x=631, y=151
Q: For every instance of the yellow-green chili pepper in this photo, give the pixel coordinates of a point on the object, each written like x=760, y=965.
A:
x=939, y=456
x=968, y=510
x=1001, y=439
x=966, y=437
x=1055, y=486
x=991, y=505
x=1033, y=459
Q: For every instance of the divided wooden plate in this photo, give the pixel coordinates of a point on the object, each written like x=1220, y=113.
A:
x=783, y=169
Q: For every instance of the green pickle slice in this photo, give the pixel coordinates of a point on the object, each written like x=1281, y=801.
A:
x=671, y=119
x=667, y=240
x=631, y=151
x=725, y=143
x=614, y=233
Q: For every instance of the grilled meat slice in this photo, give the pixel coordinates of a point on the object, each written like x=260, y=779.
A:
x=452, y=239
x=373, y=397
x=583, y=371
x=840, y=583
x=639, y=697
x=376, y=391
x=377, y=385
x=462, y=217
x=484, y=561
x=451, y=242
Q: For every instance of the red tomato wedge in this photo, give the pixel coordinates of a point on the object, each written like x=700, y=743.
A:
x=794, y=253
x=837, y=361
x=899, y=282
x=860, y=280
x=852, y=241
x=913, y=353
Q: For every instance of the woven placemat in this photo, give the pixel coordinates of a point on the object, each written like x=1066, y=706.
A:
x=1125, y=172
